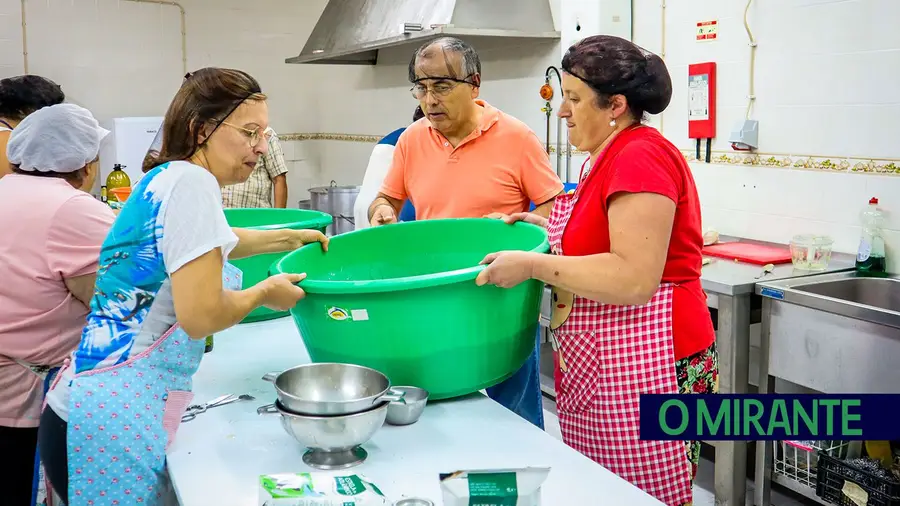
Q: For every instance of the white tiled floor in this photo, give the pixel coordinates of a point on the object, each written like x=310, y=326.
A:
x=703, y=484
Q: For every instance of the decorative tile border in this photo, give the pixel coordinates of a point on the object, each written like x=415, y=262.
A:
x=880, y=166
x=323, y=136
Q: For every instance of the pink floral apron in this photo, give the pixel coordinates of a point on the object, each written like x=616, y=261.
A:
x=609, y=356
x=123, y=418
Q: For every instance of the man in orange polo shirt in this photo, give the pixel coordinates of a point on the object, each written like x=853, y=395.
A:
x=466, y=159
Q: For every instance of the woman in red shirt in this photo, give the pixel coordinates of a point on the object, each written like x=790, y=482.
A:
x=629, y=312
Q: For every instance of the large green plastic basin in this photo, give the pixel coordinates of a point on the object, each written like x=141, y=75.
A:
x=256, y=268
x=402, y=299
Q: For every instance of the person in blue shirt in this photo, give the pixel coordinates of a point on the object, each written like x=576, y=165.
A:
x=379, y=163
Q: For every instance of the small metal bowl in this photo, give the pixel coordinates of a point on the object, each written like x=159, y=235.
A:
x=414, y=501
x=410, y=409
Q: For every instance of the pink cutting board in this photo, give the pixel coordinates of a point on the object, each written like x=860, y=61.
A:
x=758, y=254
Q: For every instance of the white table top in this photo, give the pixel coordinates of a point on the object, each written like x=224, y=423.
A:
x=217, y=458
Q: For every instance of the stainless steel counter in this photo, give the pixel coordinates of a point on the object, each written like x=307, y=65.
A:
x=727, y=277
x=730, y=288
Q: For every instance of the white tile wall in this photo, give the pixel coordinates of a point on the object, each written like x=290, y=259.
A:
x=816, y=94
x=821, y=70
x=376, y=100
x=824, y=74
x=825, y=79
x=121, y=58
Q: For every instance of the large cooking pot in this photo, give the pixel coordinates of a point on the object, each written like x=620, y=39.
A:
x=331, y=389
x=337, y=201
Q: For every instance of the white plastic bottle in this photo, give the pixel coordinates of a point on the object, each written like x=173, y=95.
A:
x=870, y=255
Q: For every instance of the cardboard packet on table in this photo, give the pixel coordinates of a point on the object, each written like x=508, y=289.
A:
x=318, y=489
x=494, y=487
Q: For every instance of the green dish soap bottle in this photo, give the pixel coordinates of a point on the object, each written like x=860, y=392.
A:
x=209, y=344
x=870, y=255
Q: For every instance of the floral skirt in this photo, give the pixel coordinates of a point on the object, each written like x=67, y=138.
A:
x=698, y=374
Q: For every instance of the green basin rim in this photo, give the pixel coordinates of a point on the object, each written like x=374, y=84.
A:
x=399, y=284
x=316, y=220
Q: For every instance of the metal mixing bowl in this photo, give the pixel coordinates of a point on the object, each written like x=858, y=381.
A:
x=331, y=389
x=330, y=433
x=408, y=411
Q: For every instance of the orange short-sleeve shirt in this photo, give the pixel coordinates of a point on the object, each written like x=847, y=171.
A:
x=501, y=167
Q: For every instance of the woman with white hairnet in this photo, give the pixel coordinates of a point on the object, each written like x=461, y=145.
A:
x=49, y=247
x=19, y=97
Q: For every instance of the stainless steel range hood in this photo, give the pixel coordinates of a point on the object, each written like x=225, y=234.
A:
x=350, y=32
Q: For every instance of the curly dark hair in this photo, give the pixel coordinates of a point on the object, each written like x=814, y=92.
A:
x=615, y=66
x=22, y=95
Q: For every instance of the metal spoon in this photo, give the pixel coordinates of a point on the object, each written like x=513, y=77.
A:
x=193, y=411
x=768, y=268
x=234, y=398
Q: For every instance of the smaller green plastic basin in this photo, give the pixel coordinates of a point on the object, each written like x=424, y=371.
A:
x=402, y=299
x=256, y=268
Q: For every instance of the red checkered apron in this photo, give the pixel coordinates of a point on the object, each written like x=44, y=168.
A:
x=610, y=355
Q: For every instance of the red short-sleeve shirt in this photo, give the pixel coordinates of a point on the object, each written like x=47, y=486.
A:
x=648, y=163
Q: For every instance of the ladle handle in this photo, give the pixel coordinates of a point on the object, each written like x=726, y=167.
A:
x=268, y=409
x=270, y=376
x=394, y=396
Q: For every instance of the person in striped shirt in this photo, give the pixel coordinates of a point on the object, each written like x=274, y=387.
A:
x=267, y=185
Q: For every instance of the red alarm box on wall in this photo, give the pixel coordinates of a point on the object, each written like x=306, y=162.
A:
x=702, y=104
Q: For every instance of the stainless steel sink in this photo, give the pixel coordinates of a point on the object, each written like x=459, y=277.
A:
x=871, y=299
x=832, y=333
x=883, y=293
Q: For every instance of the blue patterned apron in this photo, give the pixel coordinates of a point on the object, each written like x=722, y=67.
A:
x=123, y=418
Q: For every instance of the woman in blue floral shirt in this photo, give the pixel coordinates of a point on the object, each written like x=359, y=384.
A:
x=163, y=285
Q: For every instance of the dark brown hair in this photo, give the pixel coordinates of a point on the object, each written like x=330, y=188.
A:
x=22, y=95
x=615, y=66
x=206, y=98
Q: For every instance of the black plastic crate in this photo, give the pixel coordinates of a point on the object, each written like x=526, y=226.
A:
x=832, y=473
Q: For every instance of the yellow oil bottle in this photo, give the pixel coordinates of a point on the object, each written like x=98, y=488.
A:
x=118, y=178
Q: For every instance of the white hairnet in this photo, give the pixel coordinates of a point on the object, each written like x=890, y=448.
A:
x=60, y=138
